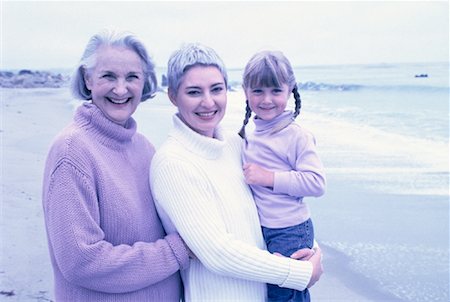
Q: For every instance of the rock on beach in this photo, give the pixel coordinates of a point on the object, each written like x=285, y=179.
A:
x=26, y=78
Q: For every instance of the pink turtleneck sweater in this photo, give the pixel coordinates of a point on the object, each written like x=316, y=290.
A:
x=105, y=238
x=286, y=148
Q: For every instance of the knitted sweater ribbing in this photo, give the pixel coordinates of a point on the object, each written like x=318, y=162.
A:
x=105, y=239
x=198, y=182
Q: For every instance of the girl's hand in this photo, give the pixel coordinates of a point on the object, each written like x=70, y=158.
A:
x=255, y=175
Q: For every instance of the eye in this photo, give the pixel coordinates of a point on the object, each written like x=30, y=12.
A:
x=217, y=89
x=277, y=90
x=257, y=91
x=193, y=92
x=133, y=77
x=108, y=76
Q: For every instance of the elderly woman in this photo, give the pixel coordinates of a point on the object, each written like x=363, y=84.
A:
x=199, y=189
x=105, y=239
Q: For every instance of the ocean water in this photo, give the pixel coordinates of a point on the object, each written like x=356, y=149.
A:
x=383, y=117
x=379, y=129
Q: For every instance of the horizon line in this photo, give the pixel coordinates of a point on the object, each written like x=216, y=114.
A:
x=66, y=68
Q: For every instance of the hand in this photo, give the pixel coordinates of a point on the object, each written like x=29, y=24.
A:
x=255, y=175
x=303, y=254
x=316, y=261
x=192, y=255
x=312, y=255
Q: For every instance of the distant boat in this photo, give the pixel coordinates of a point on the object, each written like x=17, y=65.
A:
x=422, y=75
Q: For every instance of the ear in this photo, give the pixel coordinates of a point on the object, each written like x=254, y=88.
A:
x=172, y=96
x=86, y=77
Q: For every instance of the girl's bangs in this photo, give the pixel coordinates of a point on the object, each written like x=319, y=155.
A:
x=264, y=78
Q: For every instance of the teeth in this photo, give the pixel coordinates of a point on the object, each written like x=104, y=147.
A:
x=206, y=114
x=118, y=101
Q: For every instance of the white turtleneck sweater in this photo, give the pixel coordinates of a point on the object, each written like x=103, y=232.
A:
x=199, y=190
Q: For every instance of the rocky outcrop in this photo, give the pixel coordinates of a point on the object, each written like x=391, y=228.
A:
x=32, y=79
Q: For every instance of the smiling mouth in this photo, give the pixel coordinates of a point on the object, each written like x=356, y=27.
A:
x=118, y=101
x=206, y=114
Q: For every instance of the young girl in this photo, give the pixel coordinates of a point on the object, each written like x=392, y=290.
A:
x=281, y=164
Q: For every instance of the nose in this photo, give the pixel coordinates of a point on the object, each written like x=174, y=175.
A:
x=120, y=87
x=207, y=100
x=267, y=98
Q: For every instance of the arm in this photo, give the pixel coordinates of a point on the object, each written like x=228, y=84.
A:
x=308, y=177
x=84, y=255
x=191, y=207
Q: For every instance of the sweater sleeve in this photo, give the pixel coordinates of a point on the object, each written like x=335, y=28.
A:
x=308, y=177
x=80, y=250
x=191, y=206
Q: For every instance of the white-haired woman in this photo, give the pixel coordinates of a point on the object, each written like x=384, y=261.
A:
x=199, y=189
x=105, y=239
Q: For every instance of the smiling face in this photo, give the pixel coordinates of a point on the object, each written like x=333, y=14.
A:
x=201, y=98
x=116, y=82
x=268, y=102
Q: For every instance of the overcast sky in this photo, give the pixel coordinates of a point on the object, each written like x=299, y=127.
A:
x=40, y=34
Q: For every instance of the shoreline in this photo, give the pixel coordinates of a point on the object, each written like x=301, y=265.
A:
x=344, y=284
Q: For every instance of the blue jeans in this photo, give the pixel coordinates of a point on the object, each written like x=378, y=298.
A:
x=286, y=241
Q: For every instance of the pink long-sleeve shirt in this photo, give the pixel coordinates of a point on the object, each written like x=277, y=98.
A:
x=291, y=154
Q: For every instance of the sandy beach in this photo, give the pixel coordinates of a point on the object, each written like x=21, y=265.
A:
x=353, y=225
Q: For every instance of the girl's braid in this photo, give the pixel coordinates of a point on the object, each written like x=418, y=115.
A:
x=248, y=114
x=298, y=101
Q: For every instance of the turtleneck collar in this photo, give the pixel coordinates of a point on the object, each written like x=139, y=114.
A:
x=106, y=131
x=205, y=146
x=274, y=125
